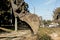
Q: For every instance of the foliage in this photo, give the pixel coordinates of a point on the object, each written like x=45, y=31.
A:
x=46, y=22
x=45, y=37
x=6, y=11
x=46, y=31
x=56, y=15
x=4, y=5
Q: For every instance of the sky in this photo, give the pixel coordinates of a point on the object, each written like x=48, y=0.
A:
x=43, y=8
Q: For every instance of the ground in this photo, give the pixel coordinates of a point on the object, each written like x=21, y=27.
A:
x=54, y=33
x=19, y=35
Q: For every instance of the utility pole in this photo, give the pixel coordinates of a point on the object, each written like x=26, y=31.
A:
x=15, y=23
x=34, y=10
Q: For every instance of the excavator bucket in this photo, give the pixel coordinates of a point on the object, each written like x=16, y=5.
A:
x=32, y=20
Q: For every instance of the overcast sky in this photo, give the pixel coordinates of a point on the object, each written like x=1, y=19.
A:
x=43, y=8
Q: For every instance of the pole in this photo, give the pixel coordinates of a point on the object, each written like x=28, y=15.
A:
x=34, y=10
x=15, y=23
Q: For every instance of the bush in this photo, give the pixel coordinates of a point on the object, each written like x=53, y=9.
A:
x=45, y=37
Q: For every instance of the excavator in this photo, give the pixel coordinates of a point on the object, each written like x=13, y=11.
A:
x=21, y=18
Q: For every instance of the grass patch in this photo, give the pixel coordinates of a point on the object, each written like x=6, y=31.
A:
x=46, y=30
x=45, y=37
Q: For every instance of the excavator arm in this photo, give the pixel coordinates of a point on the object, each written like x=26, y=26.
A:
x=31, y=19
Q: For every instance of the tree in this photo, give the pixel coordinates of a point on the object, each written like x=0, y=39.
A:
x=4, y=5
x=6, y=9
x=46, y=22
x=56, y=15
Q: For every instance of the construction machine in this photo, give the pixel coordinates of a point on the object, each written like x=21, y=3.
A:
x=18, y=17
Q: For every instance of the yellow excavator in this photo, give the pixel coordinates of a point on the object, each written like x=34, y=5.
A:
x=23, y=16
